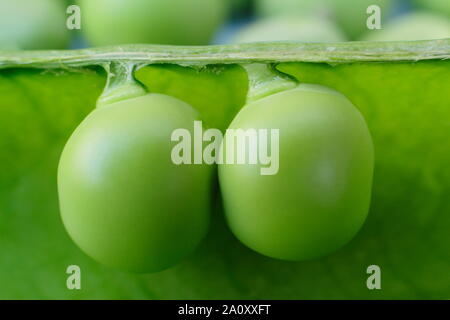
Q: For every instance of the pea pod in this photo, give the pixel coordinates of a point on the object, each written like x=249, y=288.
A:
x=46, y=95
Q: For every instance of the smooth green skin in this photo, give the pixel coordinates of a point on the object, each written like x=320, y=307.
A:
x=350, y=15
x=175, y=22
x=320, y=197
x=122, y=200
x=413, y=26
x=438, y=6
x=32, y=25
x=292, y=28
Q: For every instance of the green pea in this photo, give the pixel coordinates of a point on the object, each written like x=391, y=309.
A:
x=123, y=201
x=31, y=24
x=176, y=22
x=319, y=198
x=413, y=26
x=290, y=28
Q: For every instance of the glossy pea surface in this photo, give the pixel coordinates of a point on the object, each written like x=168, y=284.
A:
x=319, y=199
x=122, y=200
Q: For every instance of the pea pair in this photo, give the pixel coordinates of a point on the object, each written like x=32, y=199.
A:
x=127, y=205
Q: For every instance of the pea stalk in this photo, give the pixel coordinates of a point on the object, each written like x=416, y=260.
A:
x=265, y=80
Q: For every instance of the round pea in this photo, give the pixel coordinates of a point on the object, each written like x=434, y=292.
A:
x=319, y=198
x=176, y=22
x=123, y=201
x=32, y=25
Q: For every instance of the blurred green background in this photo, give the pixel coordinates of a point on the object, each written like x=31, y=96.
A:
x=31, y=24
